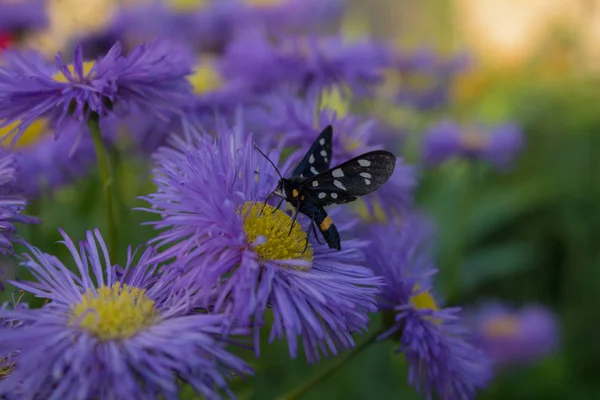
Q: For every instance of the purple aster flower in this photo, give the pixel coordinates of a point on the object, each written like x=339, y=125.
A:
x=244, y=256
x=11, y=206
x=303, y=62
x=22, y=15
x=109, y=332
x=291, y=120
x=498, y=145
x=440, y=357
x=152, y=77
x=512, y=336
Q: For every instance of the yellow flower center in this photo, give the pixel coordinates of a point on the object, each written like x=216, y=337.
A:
x=333, y=100
x=30, y=136
x=423, y=300
x=501, y=327
x=187, y=5
x=474, y=140
x=87, y=67
x=115, y=312
x=263, y=3
x=273, y=225
x=205, y=78
x=5, y=368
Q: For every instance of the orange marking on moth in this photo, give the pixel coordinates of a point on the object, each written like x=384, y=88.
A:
x=327, y=222
x=295, y=193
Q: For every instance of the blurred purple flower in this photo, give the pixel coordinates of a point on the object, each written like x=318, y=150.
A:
x=212, y=25
x=152, y=77
x=427, y=78
x=11, y=206
x=512, y=336
x=109, y=332
x=296, y=15
x=44, y=161
x=244, y=259
x=499, y=145
x=302, y=62
x=22, y=15
x=441, y=359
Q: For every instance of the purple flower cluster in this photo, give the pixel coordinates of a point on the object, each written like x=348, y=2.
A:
x=227, y=97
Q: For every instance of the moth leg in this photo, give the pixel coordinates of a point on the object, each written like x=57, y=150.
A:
x=308, y=236
x=265, y=202
x=278, y=205
x=293, y=220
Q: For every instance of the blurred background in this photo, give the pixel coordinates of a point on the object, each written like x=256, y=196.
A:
x=526, y=237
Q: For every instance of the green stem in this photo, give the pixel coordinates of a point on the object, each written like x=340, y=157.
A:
x=331, y=369
x=108, y=182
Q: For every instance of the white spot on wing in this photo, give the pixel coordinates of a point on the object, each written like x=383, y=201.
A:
x=311, y=159
x=322, y=141
x=364, y=163
x=365, y=175
x=322, y=195
x=326, y=159
x=314, y=170
x=323, y=153
x=339, y=184
x=367, y=182
x=337, y=173
x=315, y=183
x=334, y=195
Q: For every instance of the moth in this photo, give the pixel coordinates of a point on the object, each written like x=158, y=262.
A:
x=314, y=186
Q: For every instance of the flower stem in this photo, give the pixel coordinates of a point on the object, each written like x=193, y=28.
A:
x=108, y=182
x=307, y=386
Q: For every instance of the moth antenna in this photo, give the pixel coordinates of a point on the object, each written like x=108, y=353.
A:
x=268, y=159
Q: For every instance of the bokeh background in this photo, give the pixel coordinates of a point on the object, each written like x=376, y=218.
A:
x=530, y=235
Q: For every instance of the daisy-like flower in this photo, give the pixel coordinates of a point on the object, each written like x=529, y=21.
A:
x=511, y=336
x=11, y=205
x=245, y=256
x=291, y=120
x=440, y=357
x=303, y=62
x=108, y=332
x=152, y=77
x=499, y=145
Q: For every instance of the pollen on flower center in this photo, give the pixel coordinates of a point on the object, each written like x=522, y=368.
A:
x=423, y=300
x=505, y=326
x=87, y=67
x=5, y=367
x=274, y=226
x=115, y=312
x=205, y=78
x=31, y=135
